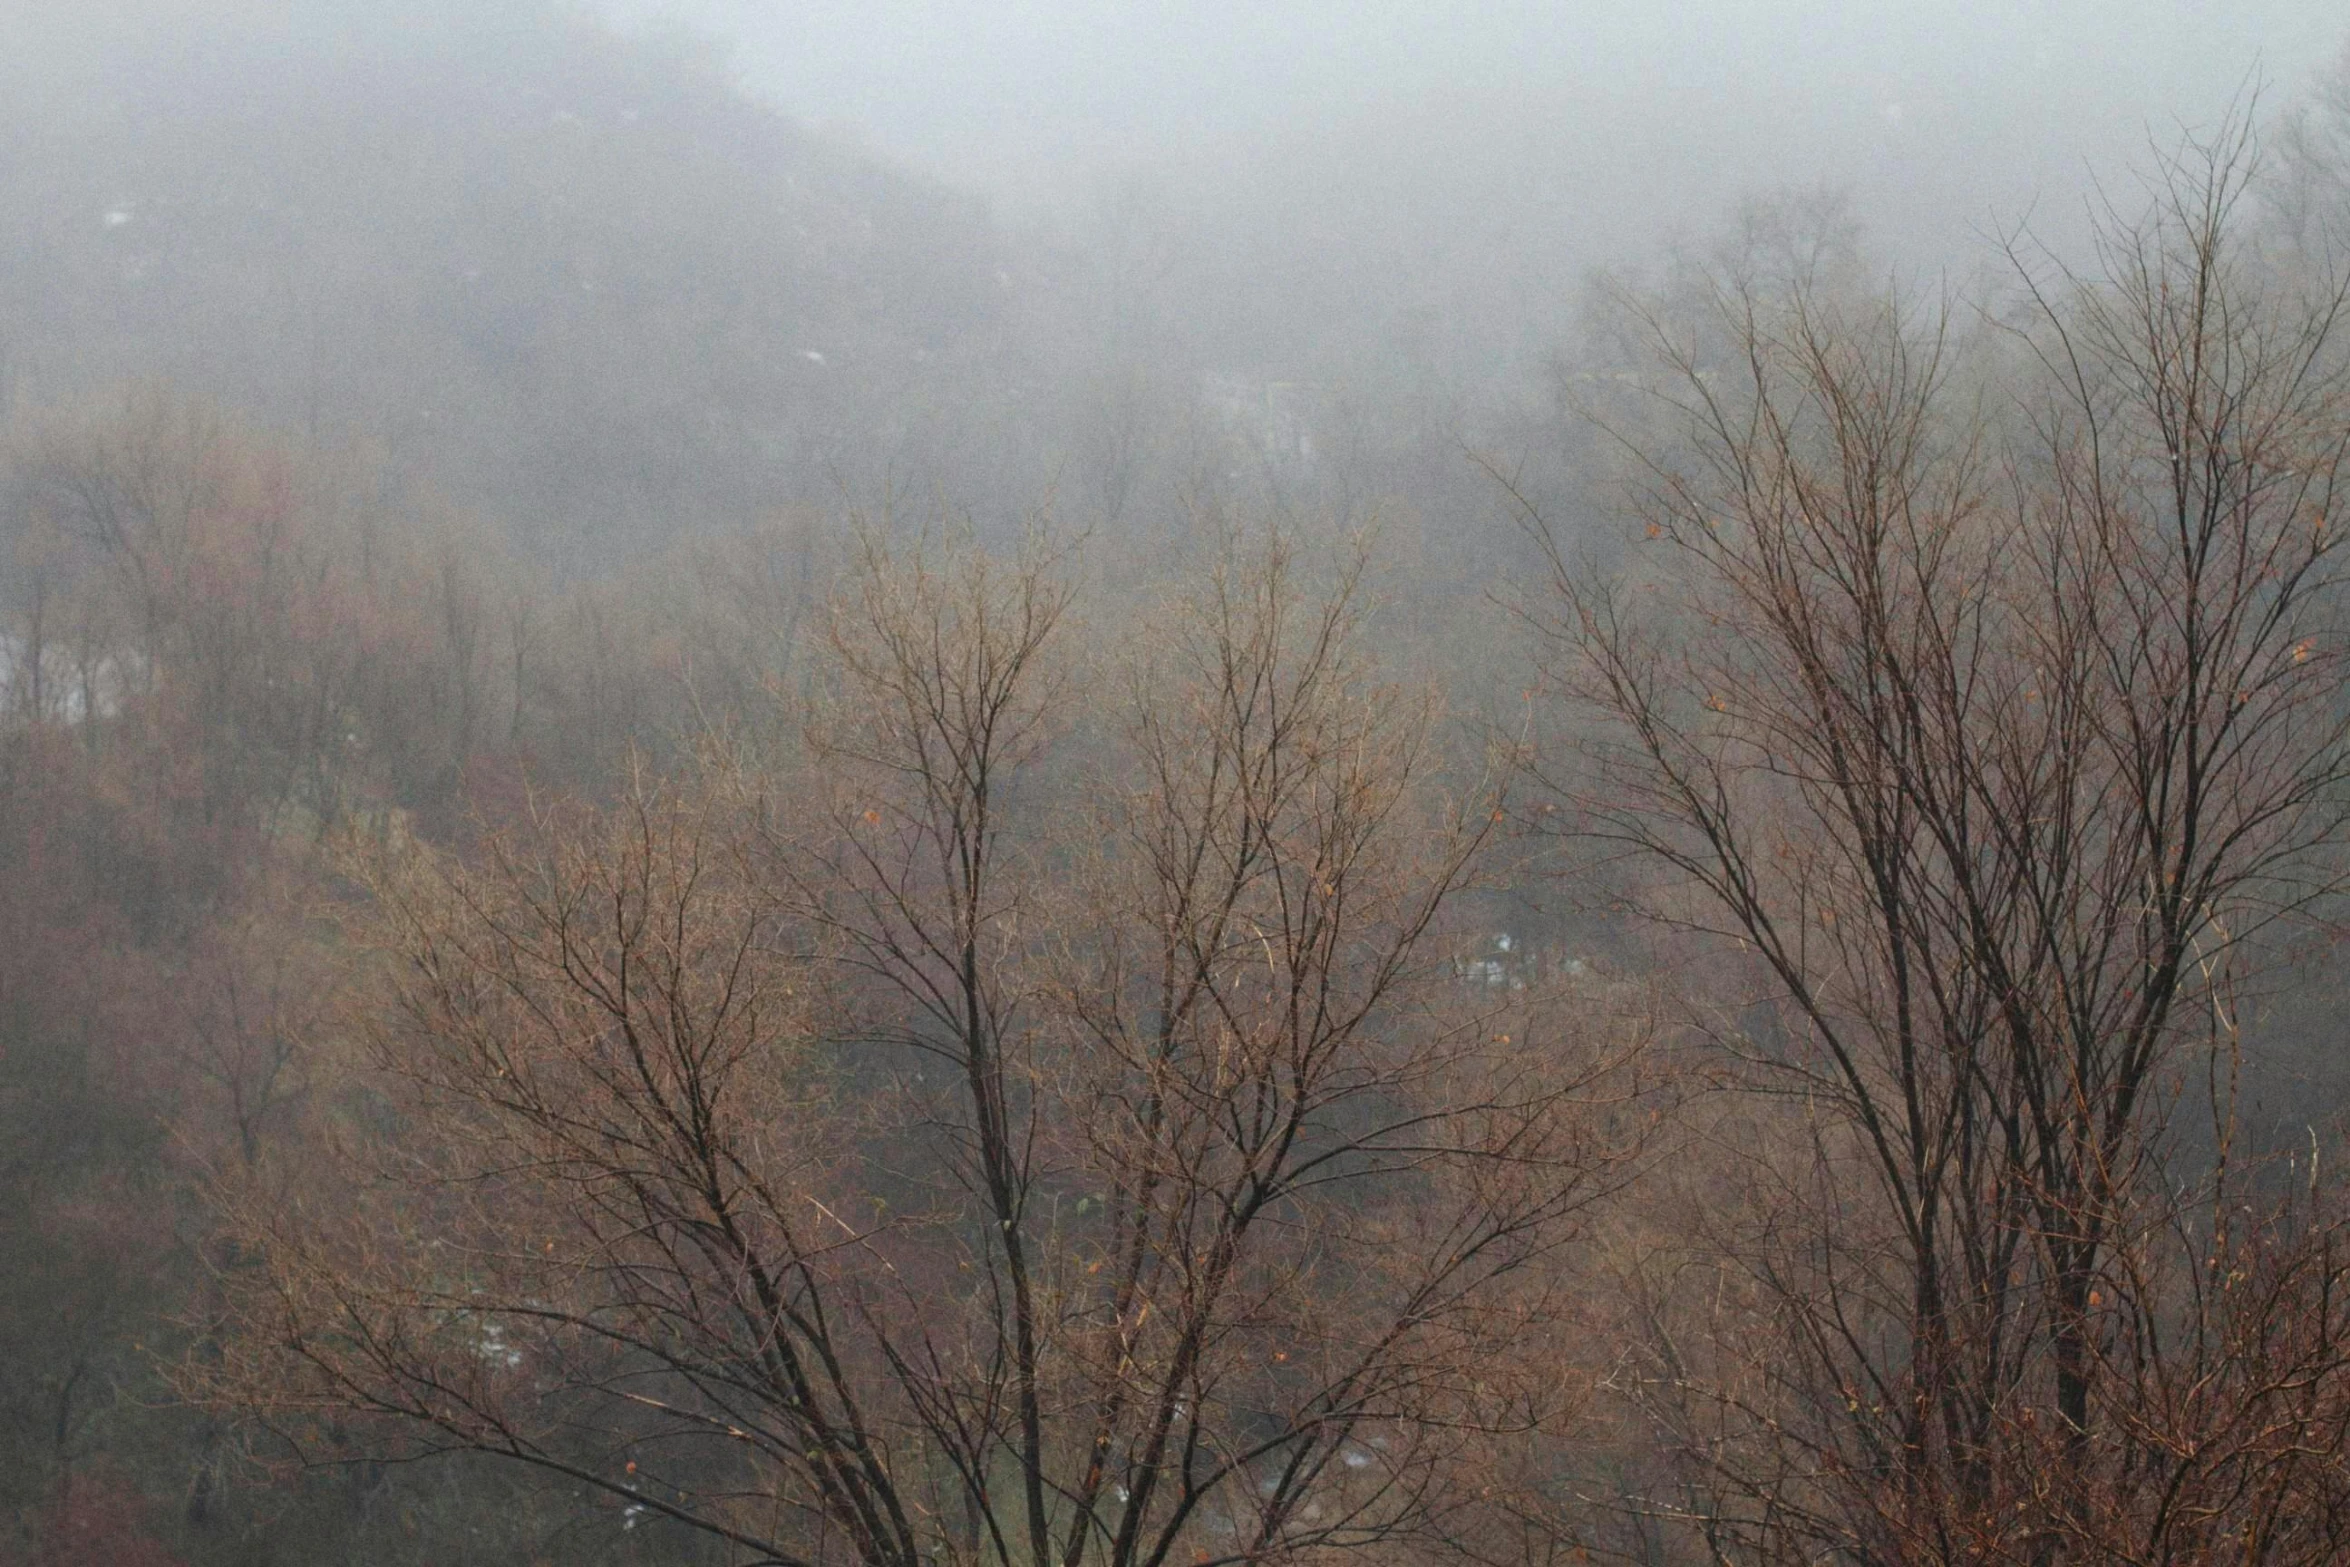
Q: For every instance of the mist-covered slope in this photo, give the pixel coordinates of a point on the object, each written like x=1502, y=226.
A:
x=568, y=276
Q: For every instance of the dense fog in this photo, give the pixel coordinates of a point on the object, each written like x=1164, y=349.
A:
x=954, y=783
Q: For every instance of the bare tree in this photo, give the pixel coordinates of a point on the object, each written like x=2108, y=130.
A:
x=1988, y=706
x=922, y=1165
x=2309, y=191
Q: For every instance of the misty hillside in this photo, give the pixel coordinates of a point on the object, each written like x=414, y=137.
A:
x=575, y=279
x=580, y=280
x=1016, y=784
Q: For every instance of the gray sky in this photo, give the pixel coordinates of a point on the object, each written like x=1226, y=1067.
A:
x=1945, y=105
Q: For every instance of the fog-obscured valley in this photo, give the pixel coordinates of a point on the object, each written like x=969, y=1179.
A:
x=932, y=785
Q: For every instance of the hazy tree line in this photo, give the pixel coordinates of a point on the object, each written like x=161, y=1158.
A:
x=705, y=861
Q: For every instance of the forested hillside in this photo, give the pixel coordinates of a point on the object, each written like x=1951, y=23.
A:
x=706, y=856
x=569, y=279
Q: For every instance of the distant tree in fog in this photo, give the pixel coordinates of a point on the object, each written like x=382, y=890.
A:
x=892, y=1176
x=1983, y=706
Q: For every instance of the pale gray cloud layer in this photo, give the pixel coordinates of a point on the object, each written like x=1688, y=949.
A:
x=1938, y=113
